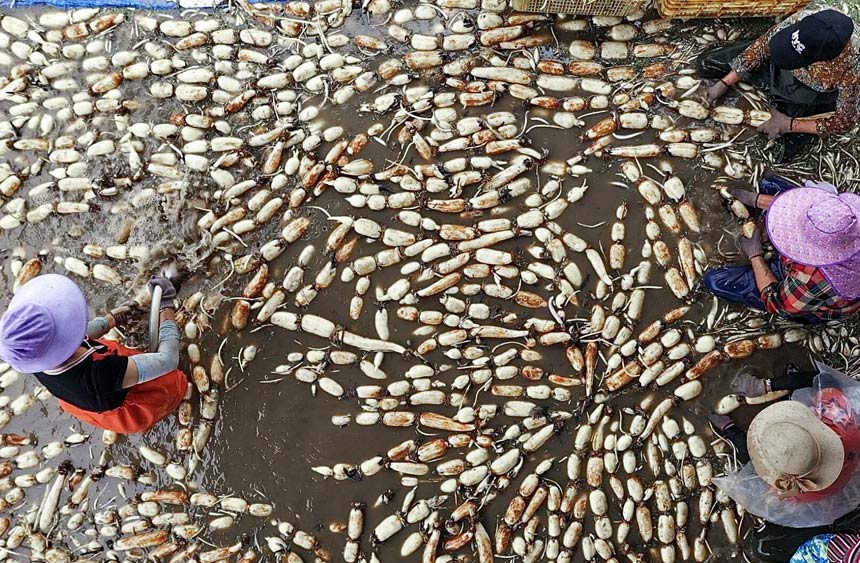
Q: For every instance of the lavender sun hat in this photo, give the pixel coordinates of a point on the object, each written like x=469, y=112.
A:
x=45, y=323
x=844, y=277
x=814, y=227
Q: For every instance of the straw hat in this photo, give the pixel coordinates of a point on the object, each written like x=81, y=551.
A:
x=45, y=323
x=792, y=450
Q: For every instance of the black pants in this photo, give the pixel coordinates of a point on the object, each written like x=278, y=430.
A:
x=786, y=93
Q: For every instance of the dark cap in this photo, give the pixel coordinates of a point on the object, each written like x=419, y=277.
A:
x=821, y=36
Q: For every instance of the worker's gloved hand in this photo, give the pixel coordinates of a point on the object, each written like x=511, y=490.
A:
x=778, y=125
x=721, y=422
x=749, y=385
x=124, y=313
x=716, y=91
x=168, y=292
x=747, y=197
x=751, y=247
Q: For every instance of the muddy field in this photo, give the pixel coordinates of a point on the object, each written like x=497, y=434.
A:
x=442, y=292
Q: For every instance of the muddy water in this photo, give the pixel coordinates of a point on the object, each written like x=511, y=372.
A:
x=272, y=429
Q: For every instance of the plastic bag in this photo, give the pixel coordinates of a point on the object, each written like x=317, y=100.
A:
x=835, y=399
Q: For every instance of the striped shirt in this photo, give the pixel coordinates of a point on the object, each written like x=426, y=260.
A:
x=842, y=74
x=844, y=548
x=805, y=291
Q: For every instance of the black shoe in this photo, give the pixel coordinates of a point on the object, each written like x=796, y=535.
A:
x=708, y=68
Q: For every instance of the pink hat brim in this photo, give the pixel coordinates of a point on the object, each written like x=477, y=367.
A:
x=68, y=307
x=794, y=236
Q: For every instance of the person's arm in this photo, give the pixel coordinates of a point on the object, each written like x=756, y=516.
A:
x=753, y=56
x=811, y=126
x=773, y=292
x=100, y=326
x=787, y=296
x=764, y=277
x=731, y=78
x=149, y=366
x=764, y=201
x=792, y=380
x=843, y=119
x=719, y=88
x=120, y=316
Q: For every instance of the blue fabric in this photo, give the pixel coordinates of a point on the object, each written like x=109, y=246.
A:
x=813, y=551
x=773, y=185
x=737, y=283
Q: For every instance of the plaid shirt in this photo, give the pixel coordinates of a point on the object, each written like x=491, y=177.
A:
x=805, y=291
x=842, y=74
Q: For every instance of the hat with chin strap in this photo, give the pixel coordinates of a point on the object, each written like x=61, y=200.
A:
x=818, y=37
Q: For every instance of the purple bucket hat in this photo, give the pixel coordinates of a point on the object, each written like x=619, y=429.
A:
x=818, y=228
x=45, y=323
x=844, y=277
x=814, y=227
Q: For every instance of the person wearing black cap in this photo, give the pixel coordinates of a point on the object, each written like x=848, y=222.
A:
x=810, y=63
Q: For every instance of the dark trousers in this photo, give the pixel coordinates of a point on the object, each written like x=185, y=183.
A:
x=737, y=283
x=738, y=438
x=787, y=94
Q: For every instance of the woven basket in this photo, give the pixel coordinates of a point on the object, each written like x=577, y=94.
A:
x=727, y=9
x=580, y=7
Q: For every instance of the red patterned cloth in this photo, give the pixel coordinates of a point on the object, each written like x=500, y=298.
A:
x=805, y=291
x=834, y=410
x=844, y=548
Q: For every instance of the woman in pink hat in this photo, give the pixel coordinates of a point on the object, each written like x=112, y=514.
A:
x=44, y=331
x=816, y=277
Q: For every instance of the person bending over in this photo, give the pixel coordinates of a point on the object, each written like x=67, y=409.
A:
x=809, y=64
x=44, y=331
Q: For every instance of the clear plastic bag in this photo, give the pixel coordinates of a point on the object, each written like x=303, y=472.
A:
x=835, y=399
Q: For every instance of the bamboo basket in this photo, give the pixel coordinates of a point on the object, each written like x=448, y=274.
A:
x=580, y=7
x=685, y=9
